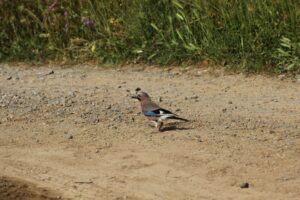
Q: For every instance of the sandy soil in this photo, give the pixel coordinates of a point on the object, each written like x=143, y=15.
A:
x=75, y=132
x=13, y=189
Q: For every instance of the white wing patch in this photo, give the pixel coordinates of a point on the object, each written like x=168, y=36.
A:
x=166, y=116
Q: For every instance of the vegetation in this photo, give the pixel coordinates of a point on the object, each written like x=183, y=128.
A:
x=252, y=34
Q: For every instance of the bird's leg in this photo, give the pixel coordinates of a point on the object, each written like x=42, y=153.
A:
x=159, y=125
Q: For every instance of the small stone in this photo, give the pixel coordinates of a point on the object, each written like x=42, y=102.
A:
x=70, y=137
x=244, y=185
x=199, y=140
x=194, y=97
x=224, y=110
x=50, y=72
x=229, y=102
x=202, y=72
x=159, y=99
x=9, y=78
x=271, y=131
x=281, y=76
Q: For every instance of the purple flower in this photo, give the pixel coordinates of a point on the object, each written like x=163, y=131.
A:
x=88, y=22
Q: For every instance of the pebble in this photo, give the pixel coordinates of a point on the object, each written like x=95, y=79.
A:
x=271, y=131
x=70, y=137
x=50, y=72
x=202, y=72
x=194, y=97
x=281, y=76
x=244, y=185
x=9, y=78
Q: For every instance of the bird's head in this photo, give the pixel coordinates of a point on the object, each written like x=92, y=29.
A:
x=140, y=95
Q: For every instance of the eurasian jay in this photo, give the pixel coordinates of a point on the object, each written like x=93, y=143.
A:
x=153, y=112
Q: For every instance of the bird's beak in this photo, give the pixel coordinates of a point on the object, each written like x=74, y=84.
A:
x=135, y=97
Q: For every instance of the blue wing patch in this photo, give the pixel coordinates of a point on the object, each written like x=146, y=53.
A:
x=157, y=113
x=151, y=114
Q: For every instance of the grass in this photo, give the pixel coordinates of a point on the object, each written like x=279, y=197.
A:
x=254, y=35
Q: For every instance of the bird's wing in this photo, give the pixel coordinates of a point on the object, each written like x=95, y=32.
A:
x=159, y=112
x=149, y=106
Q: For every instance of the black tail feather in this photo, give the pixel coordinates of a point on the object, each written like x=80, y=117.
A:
x=179, y=118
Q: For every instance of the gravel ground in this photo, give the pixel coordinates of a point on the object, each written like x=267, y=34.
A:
x=76, y=132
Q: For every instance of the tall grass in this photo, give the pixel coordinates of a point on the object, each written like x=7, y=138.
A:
x=251, y=34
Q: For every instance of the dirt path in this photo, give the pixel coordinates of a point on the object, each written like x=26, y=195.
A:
x=77, y=132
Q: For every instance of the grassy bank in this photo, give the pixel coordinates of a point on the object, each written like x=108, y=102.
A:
x=251, y=34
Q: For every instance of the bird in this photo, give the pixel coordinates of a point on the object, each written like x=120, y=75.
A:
x=153, y=111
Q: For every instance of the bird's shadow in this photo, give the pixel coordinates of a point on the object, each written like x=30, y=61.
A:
x=173, y=128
